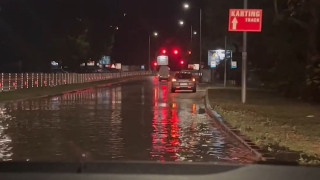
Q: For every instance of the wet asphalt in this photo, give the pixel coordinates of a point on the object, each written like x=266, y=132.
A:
x=136, y=120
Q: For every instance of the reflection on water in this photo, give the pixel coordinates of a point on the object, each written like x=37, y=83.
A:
x=165, y=137
x=68, y=127
x=137, y=120
x=180, y=134
x=5, y=140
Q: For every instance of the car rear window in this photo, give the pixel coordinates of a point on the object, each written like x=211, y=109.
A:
x=183, y=76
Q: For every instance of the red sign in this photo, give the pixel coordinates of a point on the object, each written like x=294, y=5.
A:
x=245, y=20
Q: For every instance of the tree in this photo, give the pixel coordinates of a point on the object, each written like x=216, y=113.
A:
x=304, y=15
x=286, y=52
x=43, y=31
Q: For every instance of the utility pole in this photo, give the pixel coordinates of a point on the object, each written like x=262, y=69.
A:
x=149, y=53
x=191, y=34
x=244, y=63
x=200, y=38
x=225, y=61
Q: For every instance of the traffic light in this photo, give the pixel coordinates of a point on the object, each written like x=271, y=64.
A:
x=175, y=51
x=182, y=62
x=189, y=52
x=163, y=51
x=155, y=64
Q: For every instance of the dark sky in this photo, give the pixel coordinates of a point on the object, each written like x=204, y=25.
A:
x=146, y=16
x=27, y=24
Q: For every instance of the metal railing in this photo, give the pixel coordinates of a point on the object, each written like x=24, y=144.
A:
x=14, y=81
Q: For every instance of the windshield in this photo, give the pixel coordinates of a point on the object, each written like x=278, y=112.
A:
x=93, y=80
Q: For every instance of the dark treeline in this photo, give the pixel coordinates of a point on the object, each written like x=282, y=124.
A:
x=34, y=32
x=285, y=55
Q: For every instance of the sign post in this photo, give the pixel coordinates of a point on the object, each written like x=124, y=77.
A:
x=245, y=20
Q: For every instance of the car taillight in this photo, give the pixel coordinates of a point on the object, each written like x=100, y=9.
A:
x=193, y=79
x=174, y=80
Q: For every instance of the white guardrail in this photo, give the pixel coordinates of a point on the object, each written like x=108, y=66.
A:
x=14, y=81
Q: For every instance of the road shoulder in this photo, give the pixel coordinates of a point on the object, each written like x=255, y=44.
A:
x=283, y=128
x=231, y=131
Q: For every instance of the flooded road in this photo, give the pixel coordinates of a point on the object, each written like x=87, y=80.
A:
x=133, y=120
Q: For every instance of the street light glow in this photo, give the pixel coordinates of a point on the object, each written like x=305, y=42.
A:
x=155, y=34
x=186, y=6
x=195, y=32
x=181, y=23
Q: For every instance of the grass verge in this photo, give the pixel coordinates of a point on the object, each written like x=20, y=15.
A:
x=272, y=122
x=47, y=91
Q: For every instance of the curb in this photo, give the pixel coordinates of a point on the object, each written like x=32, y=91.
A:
x=231, y=131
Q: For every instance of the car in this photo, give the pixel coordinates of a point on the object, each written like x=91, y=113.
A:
x=183, y=81
x=164, y=73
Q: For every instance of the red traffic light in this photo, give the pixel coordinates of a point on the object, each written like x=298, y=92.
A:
x=182, y=62
x=189, y=52
x=163, y=51
x=155, y=63
x=175, y=51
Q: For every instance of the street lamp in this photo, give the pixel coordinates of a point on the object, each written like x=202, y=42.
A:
x=115, y=27
x=187, y=6
x=155, y=34
x=181, y=23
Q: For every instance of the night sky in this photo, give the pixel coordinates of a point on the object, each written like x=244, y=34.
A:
x=36, y=31
x=36, y=20
x=144, y=17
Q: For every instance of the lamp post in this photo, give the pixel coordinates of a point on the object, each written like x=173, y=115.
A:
x=187, y=6
x=181, y=23
x=192, y=33
x=155, y=34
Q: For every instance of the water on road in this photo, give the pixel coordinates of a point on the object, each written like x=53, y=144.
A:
x=133, y=120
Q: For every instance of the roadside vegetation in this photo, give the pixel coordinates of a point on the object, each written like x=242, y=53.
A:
x=274, y=123
x=285, y=55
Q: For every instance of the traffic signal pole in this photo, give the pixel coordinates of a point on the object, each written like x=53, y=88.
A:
x=225, y=61
x=200, y=39
x=191, y=30
x=149, y=53
x=244, y=63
